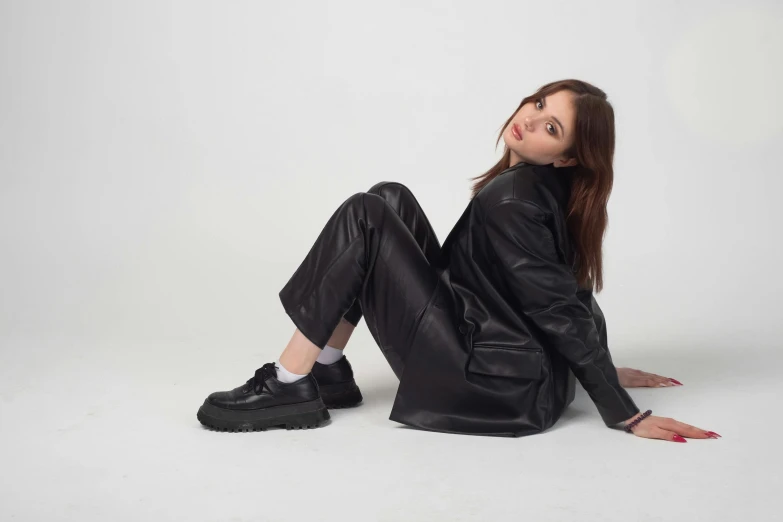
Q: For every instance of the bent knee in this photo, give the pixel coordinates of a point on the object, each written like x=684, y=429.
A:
x=390, y=190
x=364, y=199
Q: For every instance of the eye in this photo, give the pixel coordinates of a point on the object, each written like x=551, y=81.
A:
x=549, y=125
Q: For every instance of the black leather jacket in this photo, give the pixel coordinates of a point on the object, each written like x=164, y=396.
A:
x=525, y=328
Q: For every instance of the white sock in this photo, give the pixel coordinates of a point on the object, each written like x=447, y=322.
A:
x=285, y=376
x=329, y=355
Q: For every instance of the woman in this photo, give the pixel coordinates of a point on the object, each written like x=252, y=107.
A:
x=487, y=333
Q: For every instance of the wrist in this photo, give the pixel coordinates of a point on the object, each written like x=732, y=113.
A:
x=628, y=421
x=623, y=423
x=634, y=421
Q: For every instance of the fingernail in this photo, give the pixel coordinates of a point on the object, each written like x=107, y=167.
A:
x=677, y=438
x=675, y=381
x=713, y=434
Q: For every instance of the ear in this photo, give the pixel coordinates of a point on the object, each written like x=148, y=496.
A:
x=566, y=163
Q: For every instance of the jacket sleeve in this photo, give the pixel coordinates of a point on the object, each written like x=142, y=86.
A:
x=588, y=299
x=546, y=291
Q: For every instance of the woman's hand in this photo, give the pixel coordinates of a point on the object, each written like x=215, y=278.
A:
x=630, y=378
x=668, y=429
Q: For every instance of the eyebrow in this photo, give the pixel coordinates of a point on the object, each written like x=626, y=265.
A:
x=556, y=120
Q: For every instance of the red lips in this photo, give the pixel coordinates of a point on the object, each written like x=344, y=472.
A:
x=516, y=131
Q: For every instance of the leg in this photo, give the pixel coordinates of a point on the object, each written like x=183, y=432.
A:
x=341, y=334
x=364, y=254
x=335, y=374
x=298, y=355
x=404, y=203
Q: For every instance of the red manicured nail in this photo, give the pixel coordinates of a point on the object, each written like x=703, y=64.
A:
x=677, y=438
x=675, y=381
x=713, y=434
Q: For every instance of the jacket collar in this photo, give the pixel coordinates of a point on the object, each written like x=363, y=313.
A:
x=557, y=179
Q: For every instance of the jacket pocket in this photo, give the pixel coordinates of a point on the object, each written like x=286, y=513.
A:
x=504, y=361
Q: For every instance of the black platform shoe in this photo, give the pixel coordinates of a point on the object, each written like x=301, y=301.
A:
x=263, y=402
x=338, y=389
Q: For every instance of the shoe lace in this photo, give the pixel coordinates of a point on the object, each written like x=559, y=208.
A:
x=258, y=381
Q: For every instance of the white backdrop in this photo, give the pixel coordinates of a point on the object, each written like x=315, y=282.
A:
x=165, y=166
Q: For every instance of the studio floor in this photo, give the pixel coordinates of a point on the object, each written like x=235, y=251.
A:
x=108, y=431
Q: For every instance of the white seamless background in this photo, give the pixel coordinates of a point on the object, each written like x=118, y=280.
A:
x=165, y=166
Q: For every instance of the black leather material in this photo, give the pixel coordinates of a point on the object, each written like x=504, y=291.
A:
x=486, y=333
x=338, y=372
x=506, y=361
x=405, y=205
x=336, y=383
x=263, y=390
x=371, y=259
x=524, y=328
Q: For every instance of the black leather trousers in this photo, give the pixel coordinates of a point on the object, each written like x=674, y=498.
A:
x=377, y=256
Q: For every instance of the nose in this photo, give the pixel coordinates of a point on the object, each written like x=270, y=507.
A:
x=528, y=123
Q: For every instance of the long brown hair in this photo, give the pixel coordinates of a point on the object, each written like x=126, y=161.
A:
x=593, y=149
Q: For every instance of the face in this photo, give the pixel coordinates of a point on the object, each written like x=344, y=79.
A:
x=547, y=129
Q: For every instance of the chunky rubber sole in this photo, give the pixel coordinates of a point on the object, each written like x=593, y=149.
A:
x=342, y=395
x=290, y=416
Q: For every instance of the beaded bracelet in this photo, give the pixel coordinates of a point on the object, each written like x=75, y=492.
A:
x=632, y=424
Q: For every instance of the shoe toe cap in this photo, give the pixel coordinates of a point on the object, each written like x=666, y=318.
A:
x=220, y=398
